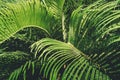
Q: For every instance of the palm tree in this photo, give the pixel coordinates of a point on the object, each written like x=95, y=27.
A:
x=80, y=42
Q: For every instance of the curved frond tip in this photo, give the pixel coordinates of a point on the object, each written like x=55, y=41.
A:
x=96, y=27
x=14, y=16
x=59, y=54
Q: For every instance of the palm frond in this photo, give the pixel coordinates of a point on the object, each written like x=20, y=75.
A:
x=96, y=33
x=17, y=15
x=57, y=54
x=95, y=27
x=91, y=52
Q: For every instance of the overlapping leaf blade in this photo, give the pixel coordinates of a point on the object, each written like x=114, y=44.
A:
x=17, y=15
x=56, y=54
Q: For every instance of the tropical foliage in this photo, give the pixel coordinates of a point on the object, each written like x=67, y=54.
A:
x=59, y=40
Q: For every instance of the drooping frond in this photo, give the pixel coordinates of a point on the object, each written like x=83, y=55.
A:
x=16, y=15
x=92, y=51
x=95, y=30
x=95, y=26
x=56, y=54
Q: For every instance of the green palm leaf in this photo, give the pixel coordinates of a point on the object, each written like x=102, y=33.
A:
x=96, y=33
x=91, y=52
x=97, y=26
x=57, y=54
x=17, y=15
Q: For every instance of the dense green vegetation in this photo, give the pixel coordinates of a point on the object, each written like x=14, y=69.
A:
x=59, y=40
